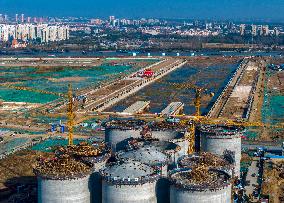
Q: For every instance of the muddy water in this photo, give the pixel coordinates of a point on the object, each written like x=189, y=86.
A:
x=161, y=93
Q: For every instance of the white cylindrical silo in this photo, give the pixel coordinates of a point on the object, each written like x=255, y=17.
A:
x=97, y=154
x=131, y=182
x=166, y=131
x=222, y=140
x=170, y=149
x=172, y=132
x=183, y=144
x=64, y=191
x=151, y=156
x=63, y=180
x=184, y=190
x=205, y=158
x=118, y=132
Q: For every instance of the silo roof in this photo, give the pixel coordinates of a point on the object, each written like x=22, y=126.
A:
x=148, y=155
x=163, y=125
x=221, y=130
x=129, y=124
x=205, y=158
x=129, y=170
x=63, y=167
x=200, y=179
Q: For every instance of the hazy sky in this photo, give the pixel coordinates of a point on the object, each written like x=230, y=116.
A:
x=217, y=9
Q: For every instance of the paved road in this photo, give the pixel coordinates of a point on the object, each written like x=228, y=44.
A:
x=252, y=178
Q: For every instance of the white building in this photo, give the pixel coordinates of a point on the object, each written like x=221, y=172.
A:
x=28, y=31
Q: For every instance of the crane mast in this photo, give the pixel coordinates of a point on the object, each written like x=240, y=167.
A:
x=197, y=102
x=70, y=115
x=199, y=119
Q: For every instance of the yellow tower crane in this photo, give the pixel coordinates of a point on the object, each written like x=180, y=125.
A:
x=198, y=93
x=70, y=108
x=70, y=115
x=191, y=121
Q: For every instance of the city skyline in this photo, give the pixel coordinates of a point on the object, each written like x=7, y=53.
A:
x=218, y=10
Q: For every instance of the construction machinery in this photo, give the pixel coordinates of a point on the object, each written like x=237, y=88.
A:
x=198, y=93
x=70, y=115
x=70, y=107
x=198, y=119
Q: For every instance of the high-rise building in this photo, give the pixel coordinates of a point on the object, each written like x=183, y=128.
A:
x=276, y=32
x=16, y=18
x=28, y=31
x=6, y=18
x=260, y=30
x=111, y=19
x=265, y=29
x=242, y=29
x=29, y=19
x=22, y=18
x=115, y=22
x=96, y=21
x=208, y=26
x=254, y=30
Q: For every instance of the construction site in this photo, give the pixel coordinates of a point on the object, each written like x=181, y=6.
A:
x=165, y=129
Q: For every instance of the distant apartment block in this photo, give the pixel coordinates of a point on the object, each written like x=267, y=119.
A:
x=259, y=30
x=28, y=32
x=242, y=29
x=254, y=30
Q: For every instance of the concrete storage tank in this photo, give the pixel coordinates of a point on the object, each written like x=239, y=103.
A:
x=96, y=154
x=166, y=131
x=173, y=132
x=168, y=148
x=151, y=156
x=183, y=144
x=132, y=182
x=172, y=150
x=223, y=141
x=117, y=132
x=206, y=159
x=63, y=180
x=200, y=186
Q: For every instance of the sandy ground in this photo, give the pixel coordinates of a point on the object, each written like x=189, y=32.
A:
x=15, y=168
x=16, y=106
x=68, y=79
x=203, y=61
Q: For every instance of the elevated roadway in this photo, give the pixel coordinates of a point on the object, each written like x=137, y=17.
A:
x=172, y=109
x=137, y=107
x=103, y=97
